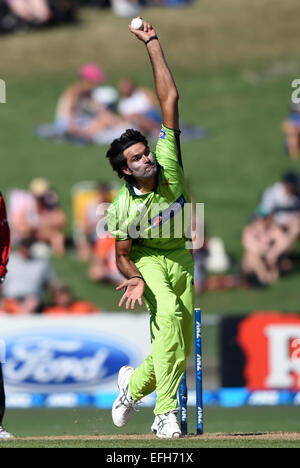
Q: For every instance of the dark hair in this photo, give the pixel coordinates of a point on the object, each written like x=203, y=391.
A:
x=291, y=178
x=116, y=152
x=26, y=242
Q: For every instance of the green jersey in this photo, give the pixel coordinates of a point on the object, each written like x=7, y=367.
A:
x=157, y=219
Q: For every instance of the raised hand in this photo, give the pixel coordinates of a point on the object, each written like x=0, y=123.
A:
x=145, y=33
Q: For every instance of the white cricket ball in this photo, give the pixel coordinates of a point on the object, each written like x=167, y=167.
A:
x=137, y=23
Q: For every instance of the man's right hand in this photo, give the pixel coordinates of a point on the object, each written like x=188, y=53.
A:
x=134, y=292
x=145, y=33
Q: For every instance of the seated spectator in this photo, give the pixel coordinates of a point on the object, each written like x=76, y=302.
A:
x=261, y=238
x=75, y=106
x=63, y=303
x=36, y=213
x=20, y=15
x=97, y=245
x=27, y=281
x=31, y=11
x=103, y=124
x=85, y=111
x=22, y=214
x=269, y=238
x=281, y=201
x=212, y=258
x=291, y=129
x=50, y=218
x=140, y=106
x=103, y=266
x=88, y=201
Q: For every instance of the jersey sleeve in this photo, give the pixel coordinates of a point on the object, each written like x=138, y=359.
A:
x=117, y=220
x=168, y=152
x=168, y=155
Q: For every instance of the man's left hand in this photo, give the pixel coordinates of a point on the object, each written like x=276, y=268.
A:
x=134, y=292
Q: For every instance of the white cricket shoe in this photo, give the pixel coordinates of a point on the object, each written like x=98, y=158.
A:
x=165, y=426
x=4, y=434
x=124, y=404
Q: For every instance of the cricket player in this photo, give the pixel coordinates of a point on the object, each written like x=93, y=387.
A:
x=153, y=257
x=5, y=245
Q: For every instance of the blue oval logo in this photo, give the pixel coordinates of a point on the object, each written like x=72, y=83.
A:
x=52, y=360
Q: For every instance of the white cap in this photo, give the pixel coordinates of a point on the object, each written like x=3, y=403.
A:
x=39, y=186
x=106, y=95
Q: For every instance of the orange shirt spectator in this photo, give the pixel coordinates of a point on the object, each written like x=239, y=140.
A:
x=64, y=303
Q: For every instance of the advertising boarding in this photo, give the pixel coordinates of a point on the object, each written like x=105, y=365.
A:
x=71, y=354
x=261, y=351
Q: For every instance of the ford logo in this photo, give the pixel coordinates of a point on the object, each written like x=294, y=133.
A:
x=52, y=360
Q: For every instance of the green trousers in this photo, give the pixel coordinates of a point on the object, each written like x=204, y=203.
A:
x=169, y=298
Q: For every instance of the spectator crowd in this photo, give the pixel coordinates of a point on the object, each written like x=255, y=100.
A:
x=271, y=235
x=22, y=15
x=38, y=228
x=90, y=111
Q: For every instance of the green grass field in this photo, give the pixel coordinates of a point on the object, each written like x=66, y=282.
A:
x=234, y=62
x=92, y=423
x=86, y=423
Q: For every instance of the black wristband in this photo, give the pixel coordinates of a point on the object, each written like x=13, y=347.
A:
x=151, y=39
x=140, y=277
